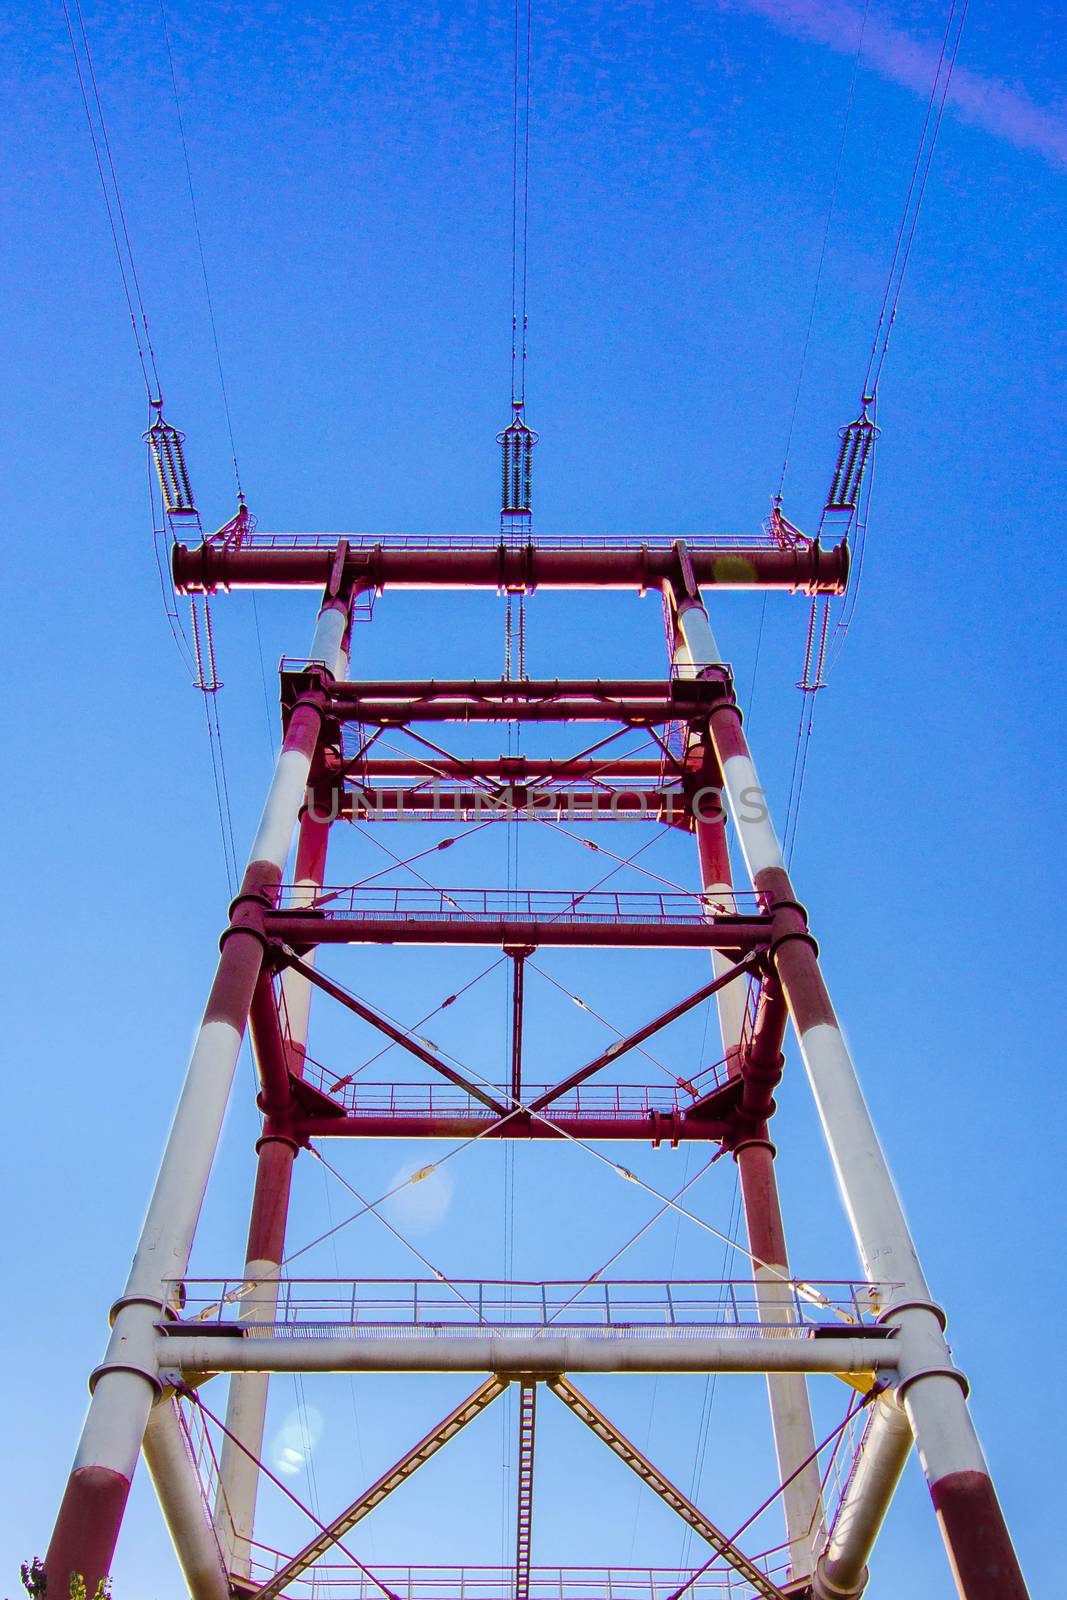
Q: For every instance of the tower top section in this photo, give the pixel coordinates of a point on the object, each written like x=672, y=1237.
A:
x=480, y=561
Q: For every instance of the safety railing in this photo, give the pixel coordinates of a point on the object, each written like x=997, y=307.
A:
x=592, y=1101
x=338, y=1581
x=537, y=905
x=377, y=1305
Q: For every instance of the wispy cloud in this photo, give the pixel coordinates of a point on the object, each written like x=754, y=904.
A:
x=1007, y=113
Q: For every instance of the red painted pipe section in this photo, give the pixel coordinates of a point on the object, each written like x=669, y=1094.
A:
x=811, y=569
x=270, y=1048
x=930, y=1388
x=661, y=1128
x=510, y=769
x=126, y=1383
x=758, y=1062
x=984, y=1563
x=737, y=935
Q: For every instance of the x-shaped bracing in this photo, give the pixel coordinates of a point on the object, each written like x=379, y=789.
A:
x=422, y=1052
x=720, y=1542
x=410, y=1462
x=465, y=1413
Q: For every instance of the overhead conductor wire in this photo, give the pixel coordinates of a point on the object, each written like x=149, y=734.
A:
x=199, y=653
x=818, y=631
x=113, y=204
x=211, y=687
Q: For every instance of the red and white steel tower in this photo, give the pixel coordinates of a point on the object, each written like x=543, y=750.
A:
x=171, y=1338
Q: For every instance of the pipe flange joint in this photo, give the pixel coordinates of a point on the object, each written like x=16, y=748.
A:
x=246, y=928
x=157, y=1303
x=105, y=1367
x=274, y=1135
x=753, y=1143
x=787, y=903
x=314, y=699
x=718, y=672
x=900, y=1306
x=824, y=1588
x=801, y=934
x=904, y=1384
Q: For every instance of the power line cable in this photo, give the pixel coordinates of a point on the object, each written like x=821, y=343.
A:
x=823, y=248
x=935, y=109
x=200, y=247
x=113, y=203
x=905, y=239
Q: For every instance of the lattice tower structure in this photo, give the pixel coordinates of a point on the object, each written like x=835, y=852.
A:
x=368, y=752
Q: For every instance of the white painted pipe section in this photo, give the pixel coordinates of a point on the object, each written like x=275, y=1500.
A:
x=126, y=1383
x=787, y=1392
x=246, y=1405
x=246, y=1417
x=178, y=1489
x=744, y=793
x=929, y=1386
x=286, y=794
x=520, y=1352
x=841, y=1571
x=111, y=1435
x=870, y=1197
x=163, y=1248
x=793, y=1429
x=729, y=1002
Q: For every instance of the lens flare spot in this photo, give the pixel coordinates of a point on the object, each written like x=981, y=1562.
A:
x=295, y=1440
x=423, y=1204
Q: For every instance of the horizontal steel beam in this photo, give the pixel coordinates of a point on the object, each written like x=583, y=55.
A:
x=628, y=711
x=399, y=702
x=303, y=929
x=810, y=569
x=512, y=769
x=542, y=1352
x=520, y=803
x=666, y=1127
x=406, y=689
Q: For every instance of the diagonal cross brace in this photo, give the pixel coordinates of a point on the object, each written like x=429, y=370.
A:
x=466, y=1412
x=632, y=1040
x=719, y=1541
x=397, y=1035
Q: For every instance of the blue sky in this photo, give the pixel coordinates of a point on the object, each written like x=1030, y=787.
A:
x=353, y=176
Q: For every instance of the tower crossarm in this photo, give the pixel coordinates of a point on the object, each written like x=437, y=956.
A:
x=398, y=703
x=284, y=561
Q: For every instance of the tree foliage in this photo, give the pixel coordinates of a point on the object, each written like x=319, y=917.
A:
x=35, y=1583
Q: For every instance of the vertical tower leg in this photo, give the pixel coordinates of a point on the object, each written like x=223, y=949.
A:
x=125, y=1385
x=246, y=1407
x=787, y=1392
x=930, y=1387
x=841, y=1572
x=178, y=1487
